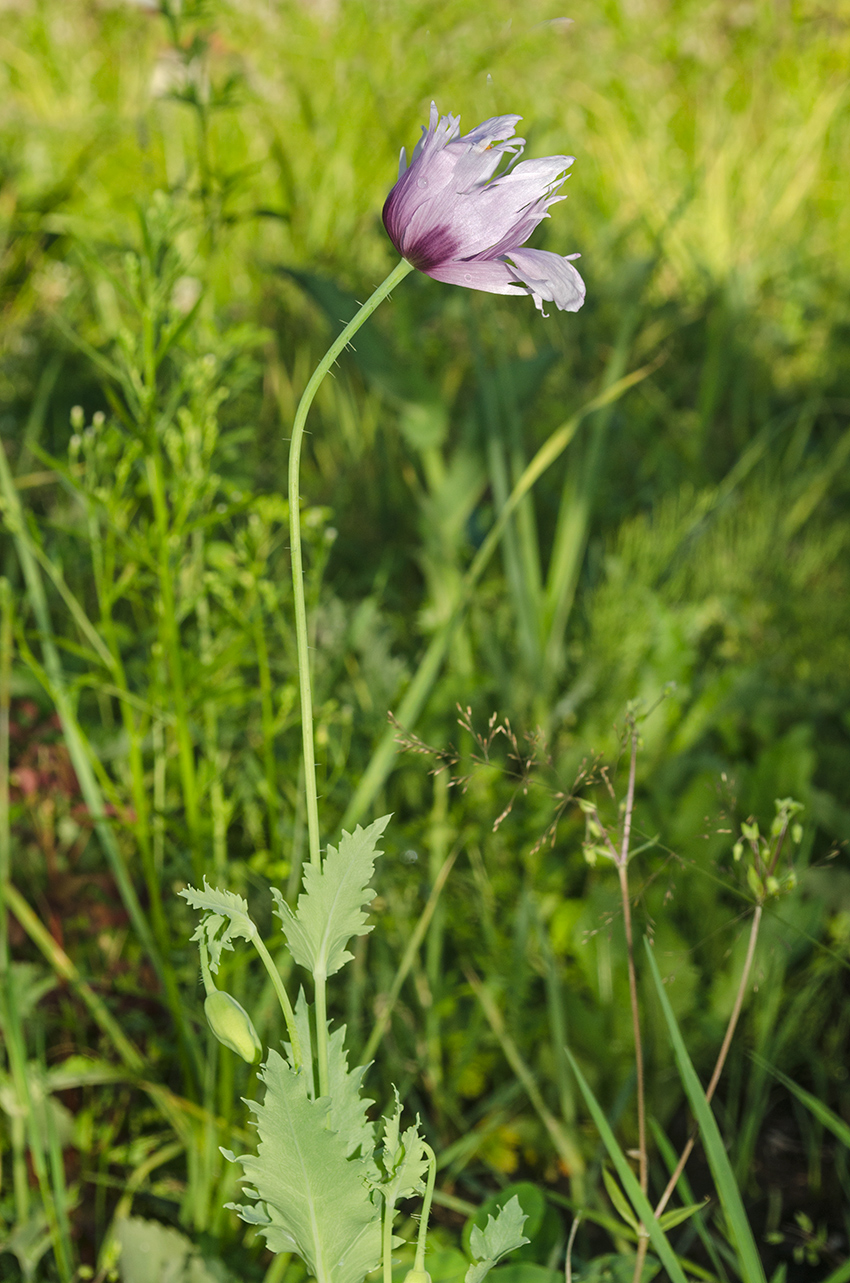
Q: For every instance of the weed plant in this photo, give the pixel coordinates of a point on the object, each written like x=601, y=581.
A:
x=630, y=521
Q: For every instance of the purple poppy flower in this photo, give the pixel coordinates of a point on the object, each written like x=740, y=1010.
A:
x=453, y=220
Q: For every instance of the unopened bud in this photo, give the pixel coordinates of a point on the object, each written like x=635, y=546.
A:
x=417, y=1276
x=232, y=1025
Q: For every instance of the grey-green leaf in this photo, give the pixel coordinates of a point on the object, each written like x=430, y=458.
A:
x=330, y=908
x=314, y=1200
x=223, y=909
x=500, y=1236
x=403, y=1157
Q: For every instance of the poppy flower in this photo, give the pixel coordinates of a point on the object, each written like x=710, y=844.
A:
x=456, y=219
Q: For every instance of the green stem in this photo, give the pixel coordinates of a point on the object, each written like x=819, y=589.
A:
x=206, y=974
x=396, y=275
x=321, y=995
x=283, y=999
x=5, y=701
x=419, y=1261
x=387, y=1245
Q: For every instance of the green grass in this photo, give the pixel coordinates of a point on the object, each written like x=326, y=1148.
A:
x=189, y=205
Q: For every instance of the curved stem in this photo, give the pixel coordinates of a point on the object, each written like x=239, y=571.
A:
x=397, y=274
x=419, y=1261
x=283, y=999
x=209, y=983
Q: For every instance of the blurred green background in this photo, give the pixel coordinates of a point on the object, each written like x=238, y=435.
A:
x=189, y=206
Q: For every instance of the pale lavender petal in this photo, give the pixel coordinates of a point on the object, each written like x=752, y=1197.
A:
x=549, y=277
x=498, y=215
x=489, y=275
x=496, y=129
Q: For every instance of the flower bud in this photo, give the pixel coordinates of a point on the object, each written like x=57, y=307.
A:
x=417, y=1276
x=232, y=1025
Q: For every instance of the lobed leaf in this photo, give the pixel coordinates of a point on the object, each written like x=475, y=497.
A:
x=311, y=1197
x=222, y=909
x=403, y=1158
x=501, y=1235
x=330, y=908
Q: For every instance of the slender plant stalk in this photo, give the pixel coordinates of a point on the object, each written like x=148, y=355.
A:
x=6, y=609
x=568, y=1266
x=301, y=635
x=283, y=999
x=721, y=1058
x=623, y=870
x=623, y=874
x=397, y=274
x=419, y=1260
x=387, y=1240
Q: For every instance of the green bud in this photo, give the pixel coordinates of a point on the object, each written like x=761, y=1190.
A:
x=232, y=1025
x=772, y=885
x=417, y=1276
x=796, y=834
x=738, y=851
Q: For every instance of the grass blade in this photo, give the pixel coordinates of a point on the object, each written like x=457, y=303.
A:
x=718, y=1160
x=639, y=1201
x=822, y=1112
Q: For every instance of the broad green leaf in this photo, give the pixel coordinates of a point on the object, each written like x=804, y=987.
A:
x=749, y=1260
x=822, y=1112
x=223, y=909
x=330, y=908
x=618, y=1198
x=636, y=1195
x=501, y=1235
x=311, y=1198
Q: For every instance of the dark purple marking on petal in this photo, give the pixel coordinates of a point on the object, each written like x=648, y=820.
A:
x=432, y=248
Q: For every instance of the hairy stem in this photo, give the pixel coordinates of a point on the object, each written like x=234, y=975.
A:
x=397, y=274
x=721, y=1058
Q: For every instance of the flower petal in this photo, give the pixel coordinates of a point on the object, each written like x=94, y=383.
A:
x=488, y=274
x=548, y=277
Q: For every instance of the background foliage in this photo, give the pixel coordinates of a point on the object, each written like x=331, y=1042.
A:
x=189, y=204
